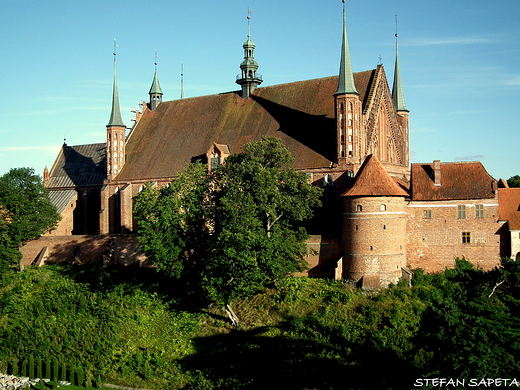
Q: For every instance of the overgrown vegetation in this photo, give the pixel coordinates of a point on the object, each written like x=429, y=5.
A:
x=134, y=327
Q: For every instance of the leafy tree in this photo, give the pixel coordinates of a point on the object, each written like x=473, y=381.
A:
x=238, y=227
x=514, y=181
x=31, y=213
x=172, y=220
x=259, y=202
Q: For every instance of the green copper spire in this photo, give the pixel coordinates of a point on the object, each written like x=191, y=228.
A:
x=397, y=90
x=115, y=116
x=346, y=77
x=248, y=79
x=155, y=90
x=156, y=87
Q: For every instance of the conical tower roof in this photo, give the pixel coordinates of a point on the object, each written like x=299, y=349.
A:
x=115, y=116
x=155, y=89
x=373, y=180
x=346, y=77
x=397, y=90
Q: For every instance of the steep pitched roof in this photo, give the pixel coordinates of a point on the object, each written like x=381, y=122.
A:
x=80, y=165
x=179, y=131
x=61, y=198
x=509, y=206
x=373, y=180
x=459, y=180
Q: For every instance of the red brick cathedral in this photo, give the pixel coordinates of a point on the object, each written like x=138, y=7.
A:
x=381, y=216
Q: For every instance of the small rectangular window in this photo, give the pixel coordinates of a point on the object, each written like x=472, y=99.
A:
x=461, y=211
x=427, y=214
x=466, y=238
x=215, y=162
x=479, y=211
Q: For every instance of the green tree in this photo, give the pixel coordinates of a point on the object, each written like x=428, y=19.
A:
x=240, y=226
x=514, y=181
x=172, y=220
x=9, y=253
x=260, y=204
x=30, y=211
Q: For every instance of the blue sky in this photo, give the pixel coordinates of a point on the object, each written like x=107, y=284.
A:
x=459, y=65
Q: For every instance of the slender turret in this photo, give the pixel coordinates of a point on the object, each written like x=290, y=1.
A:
x=116, y=131
x=115, y=115
x=346, y=77
x=155, y=90
x=349, y=123
x=399, y=103
x=397, y=90
x=249, y=79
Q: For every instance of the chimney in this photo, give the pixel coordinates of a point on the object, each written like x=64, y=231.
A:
x=437, y=173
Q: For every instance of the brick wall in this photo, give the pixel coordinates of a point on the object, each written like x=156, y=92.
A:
x=66, y=224
x=435, y=234
x=83, y=248
x=374, y=231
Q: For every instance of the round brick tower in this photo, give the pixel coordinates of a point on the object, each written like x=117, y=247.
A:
x=374, y=227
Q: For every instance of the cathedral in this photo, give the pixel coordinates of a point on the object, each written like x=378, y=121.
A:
x=381, y=216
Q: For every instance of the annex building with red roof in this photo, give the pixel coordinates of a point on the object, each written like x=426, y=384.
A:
x=381, y=215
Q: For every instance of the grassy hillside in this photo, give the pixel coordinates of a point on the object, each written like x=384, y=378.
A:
x=132, y=327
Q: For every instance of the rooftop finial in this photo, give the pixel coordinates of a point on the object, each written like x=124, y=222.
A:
x=156, y=56
x=115, y=49
x=182, y=80
x=396, y=22
x=249, y=12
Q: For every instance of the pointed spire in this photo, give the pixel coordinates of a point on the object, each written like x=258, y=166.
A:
x=155, y=90
x=397, y=90
x=115, y=116
x=346, y=77
x=156, y=87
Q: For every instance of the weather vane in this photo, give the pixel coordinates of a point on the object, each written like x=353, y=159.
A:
x=156, y=56
x=115, y=46
x=249, y=12
x=396, y=35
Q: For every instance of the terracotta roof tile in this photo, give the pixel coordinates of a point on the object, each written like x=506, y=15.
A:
x=509, y=206
x=179, y=131
x=459, y=180
x=373, y=180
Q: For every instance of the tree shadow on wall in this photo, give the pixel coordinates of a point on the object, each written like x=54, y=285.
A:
x=317, y=132
x=252, y=360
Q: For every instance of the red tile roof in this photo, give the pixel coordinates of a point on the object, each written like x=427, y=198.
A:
x=179, y=131
x=459, y=180
x=373, y=180
x=509, y=206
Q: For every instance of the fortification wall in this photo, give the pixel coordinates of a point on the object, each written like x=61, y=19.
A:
x=121, y=249
x=440, y=231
